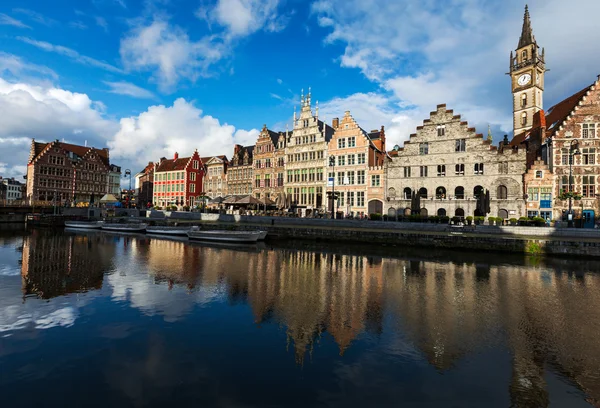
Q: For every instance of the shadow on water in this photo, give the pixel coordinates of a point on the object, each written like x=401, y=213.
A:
x=365, y=325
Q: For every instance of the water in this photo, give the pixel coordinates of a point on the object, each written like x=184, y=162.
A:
x=108, y=320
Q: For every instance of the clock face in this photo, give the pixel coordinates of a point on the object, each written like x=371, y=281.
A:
x=524, y=79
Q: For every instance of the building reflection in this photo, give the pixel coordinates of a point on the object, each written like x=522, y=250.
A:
x=55, y=265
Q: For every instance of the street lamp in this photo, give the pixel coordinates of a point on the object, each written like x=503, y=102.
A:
x=573, y=151
x=332, y=164
x=128, y=173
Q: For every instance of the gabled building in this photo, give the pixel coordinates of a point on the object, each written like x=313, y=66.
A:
x=178, y=181
x=215, y=179
x=11, y=189
x=269, y=164
x=358, y=172
x=144, y=182
x=449, y=165
x=306, y=160
x=240, y=174
x=66, y=173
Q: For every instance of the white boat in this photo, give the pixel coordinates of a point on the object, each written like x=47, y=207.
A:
x=125, y=227
x=225, y=236
x=167, y=230
x=84, y=224
x=263, y=235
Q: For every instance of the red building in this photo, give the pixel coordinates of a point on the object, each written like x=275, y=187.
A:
x=178, y=181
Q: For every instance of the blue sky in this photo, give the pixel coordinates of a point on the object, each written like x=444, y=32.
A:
x=148, y=77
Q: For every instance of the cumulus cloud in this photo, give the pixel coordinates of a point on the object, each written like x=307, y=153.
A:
x=244, y=17
x=168, y=52
x=8, y=20
x=182, y=127
x=129, y=89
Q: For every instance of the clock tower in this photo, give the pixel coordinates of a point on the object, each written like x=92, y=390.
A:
x=527, y=70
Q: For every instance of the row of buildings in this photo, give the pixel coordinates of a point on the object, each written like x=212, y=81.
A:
x=446, y=163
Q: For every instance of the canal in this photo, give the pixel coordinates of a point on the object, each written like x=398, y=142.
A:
x=108, y=320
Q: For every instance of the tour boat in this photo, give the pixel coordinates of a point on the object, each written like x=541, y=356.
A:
x=84, y=224
x=225, y=236
x=167, y=230
x=125, y=227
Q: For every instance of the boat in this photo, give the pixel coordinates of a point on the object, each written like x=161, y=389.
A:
x=167, y=230
x=263, y=235
x=125, y=227
x=84, y=224
x=225, y=236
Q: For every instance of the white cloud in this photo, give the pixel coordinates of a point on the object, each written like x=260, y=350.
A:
x=244, y=17
x=168, y=52
x=17, y=68
x=70, y=53
x=80, y=25
x=101, y=22
x=424, y=56
x=129, y=89
x=162, y=130
x=8, y=20
x=37, y=17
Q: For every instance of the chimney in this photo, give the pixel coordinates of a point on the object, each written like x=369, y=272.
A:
x=335, y=123
x=176, y=156
x=236, y=149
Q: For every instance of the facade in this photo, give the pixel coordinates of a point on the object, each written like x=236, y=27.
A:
x=239, y=173
x=269, y=164
x=144, y=182
x=11, y=190
x=539, y=182
x=448, y=165
x=215, y=179
x=67, y=173
x=306, y=160
x=527, y=70
x=356, y=154
x=114, y=180
x=178, y=181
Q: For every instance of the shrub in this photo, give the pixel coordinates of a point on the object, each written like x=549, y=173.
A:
x=186, y=208
x=434, y=218
x=513, y=221
x=538, y=221
x=469, y=218
x=456, y=220
x=375, y=217
x=444, y=219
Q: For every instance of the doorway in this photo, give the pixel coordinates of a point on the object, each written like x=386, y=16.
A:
x=588, y=219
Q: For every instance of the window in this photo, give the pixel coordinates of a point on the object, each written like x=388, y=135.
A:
x=375, y=180
x=546, y=195
x=407, y=193
x=360, y=175
x=196, y=164
x=340, y=178
x=588, y=130
x=351, y=160
x=459, y=193
x=478, y=168
x=477, y=191
x=589, y=186
x=350, y=177
x=192, y=176
x=533, y=194
x=565, y=157
x=502, y=192
x=523, y=100
x=192, y=188
x=461, y=145
x=565, y=185
x=341, y=143
x=350, y=198
x=440, y=193
x=589, y=155
x=361, y=158
x=441, y=130
x=539, y=174
x=423, y=148
x=524, y=55
x=459, y=169
x=423, y=192
x=257, y=181
x=441, y=170
x=524, y=119
x=360, y=199
x=423, y=171
x=406, y=172
x=341, y=160
x=352, y=141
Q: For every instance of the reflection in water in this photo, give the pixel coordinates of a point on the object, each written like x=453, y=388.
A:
x=546, y=314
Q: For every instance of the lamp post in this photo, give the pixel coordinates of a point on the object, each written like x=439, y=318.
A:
x=332, y=164
x=128, y=173
x=572, y=152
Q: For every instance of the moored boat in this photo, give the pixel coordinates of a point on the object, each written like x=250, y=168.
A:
x=225, y=236
x=263, y=235
x=84, y=224
x=125, y=227
x=167, y=230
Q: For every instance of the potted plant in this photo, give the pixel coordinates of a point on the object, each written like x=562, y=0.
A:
x=444, y=219
x=499, y=221
x=513, y=221
x=469, y=220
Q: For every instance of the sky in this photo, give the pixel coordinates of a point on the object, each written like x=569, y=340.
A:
x=147, y=78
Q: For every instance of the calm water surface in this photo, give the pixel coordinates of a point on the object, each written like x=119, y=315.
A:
x=106, y=320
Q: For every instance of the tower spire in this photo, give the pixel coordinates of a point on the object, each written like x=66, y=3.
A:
x=527, y=37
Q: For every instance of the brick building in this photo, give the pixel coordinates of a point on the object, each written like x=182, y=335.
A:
x=144, y=182
x=239, y=173
x=215, y=179
x=539, y=182
x=66, y=173
x=178, y=181
x=269, y=164
x=356, y=152
x=448, y=165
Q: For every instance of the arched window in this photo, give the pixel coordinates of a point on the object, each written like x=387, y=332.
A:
x=503, y=214
x=441, y=212
x=524, y=118
x=423, y=192
x=501, y=192
x=523, y=100
x=459, y=193
x=459, y=212
x=424, y=212
x=391, y=212
x=524, y=55
x=477, y=191
x=440, y=193
x=391, y=192
x=407, y=211
x=407, y=193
